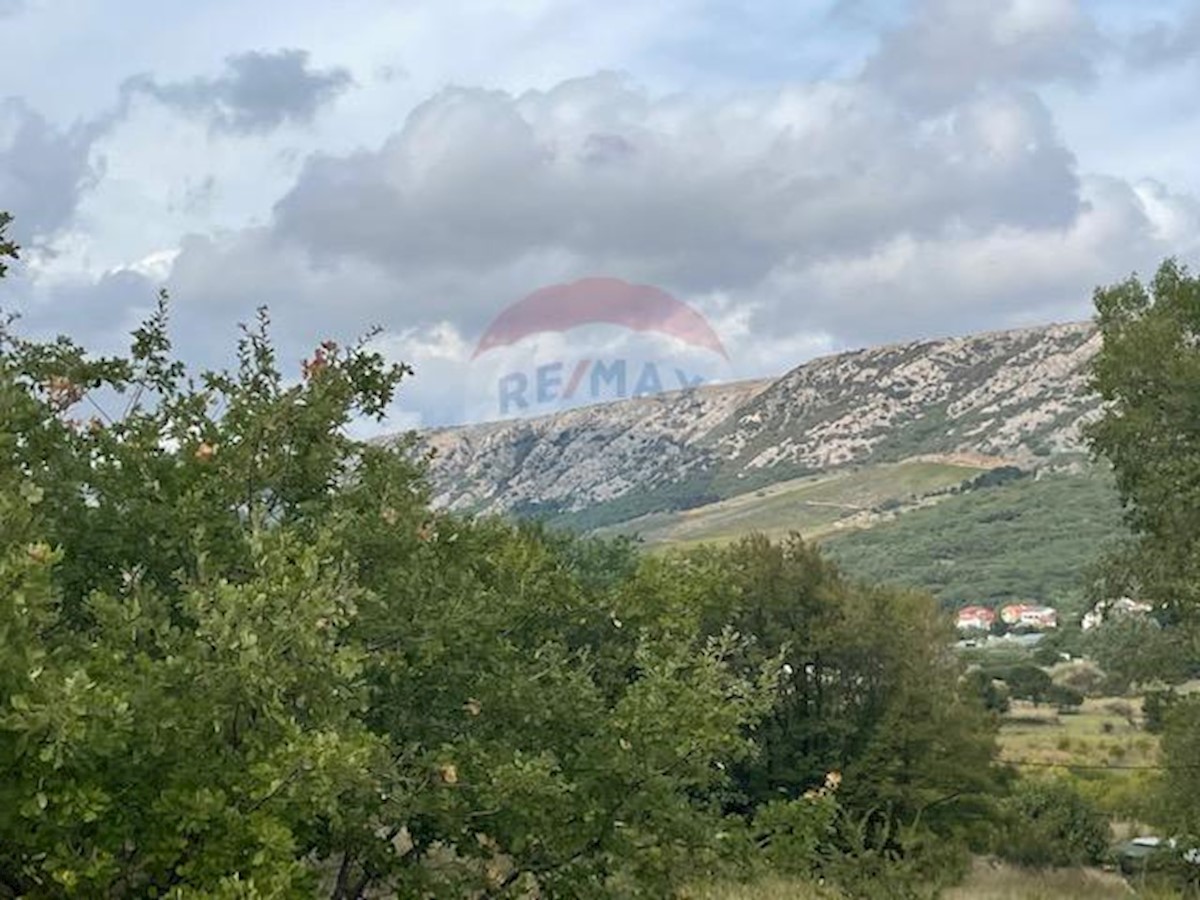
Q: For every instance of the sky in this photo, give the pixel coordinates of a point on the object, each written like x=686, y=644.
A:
x=809, y=176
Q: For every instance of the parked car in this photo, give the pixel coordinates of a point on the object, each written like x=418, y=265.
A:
x=1135, y=855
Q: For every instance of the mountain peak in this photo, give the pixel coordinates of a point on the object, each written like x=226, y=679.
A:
x=1020, y=395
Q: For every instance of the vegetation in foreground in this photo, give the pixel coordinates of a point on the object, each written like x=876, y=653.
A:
x=244, y=658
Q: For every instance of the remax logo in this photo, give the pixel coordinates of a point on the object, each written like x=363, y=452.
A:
x=591, y=341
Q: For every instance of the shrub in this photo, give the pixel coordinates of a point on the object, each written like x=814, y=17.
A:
x=1155, y=707
x=1081, y=675
x=1053, y=824
x=1065, y=698
x=1028, y=683
x=992, y=692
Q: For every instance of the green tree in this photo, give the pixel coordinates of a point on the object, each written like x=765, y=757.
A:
x=1138, y=650
x=1052, y=824
x=869, y=688
x=1026, y=683
x=180, y=705
x=1148, y=375
x=1180, y=751
x=243, y=657
x=992, y=691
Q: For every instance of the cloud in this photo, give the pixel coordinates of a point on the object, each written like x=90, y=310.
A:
x=949, y=49
x=684, y=191
x=829, y=214
x=929, y=192
x=1165, y=44
x=101, y=312
x=1010, y=277
x=259, y=92
x=44, y=170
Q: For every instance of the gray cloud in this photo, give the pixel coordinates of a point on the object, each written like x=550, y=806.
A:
x=1164, y=44
x=43, y=169
x=949, y=49
x=696, y=195
x=109, y=307
x=259, y=92
x=917, y=287
x=931, y=194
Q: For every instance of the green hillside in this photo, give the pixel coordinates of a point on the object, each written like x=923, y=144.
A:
x=924, y=523
x=1029, y=539
x=813, y=505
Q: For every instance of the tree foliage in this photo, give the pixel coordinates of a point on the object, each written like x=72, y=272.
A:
x=868, y=686
x=1148, y=375
x=244, y=657
x=1026, y=682
x=1181, y=751
x=1052, y=824
x=242, y=654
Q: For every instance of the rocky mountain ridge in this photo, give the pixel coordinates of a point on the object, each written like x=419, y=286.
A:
x=1018, y=396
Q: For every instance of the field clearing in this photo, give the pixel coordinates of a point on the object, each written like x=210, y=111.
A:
x=1105, y=732
x=766, y=889
x=994, y=881
x=987, y=880
x=813, y=505
x=1102, y=749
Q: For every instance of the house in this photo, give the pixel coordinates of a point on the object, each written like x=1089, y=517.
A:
x=1029, y=615
x=975, y=618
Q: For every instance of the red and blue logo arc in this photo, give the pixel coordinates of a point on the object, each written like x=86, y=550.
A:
x=600, y=301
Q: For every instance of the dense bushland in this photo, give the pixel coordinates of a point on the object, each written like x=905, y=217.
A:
x=243, y=657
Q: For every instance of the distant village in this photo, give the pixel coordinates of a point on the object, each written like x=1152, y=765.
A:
x=1028, y=621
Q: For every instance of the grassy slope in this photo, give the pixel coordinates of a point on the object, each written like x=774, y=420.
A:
x=1031, y=539
x=1103, y=732
x=812, y=505
x=988, y=880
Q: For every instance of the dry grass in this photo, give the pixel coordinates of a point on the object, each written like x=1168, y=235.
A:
x=1104, y=732
x=988, y=880
x=993, y=881
x=765, y=889
x=813, y=505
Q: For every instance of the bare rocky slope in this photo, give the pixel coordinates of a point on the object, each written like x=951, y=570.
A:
x=1018, y=397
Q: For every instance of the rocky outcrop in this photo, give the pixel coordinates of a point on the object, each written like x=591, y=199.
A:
x=1017, y=395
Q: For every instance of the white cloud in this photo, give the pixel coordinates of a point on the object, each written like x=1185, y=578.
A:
x=912, y=287
x=949, y=49
x=935, y=191
x=695, y=192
